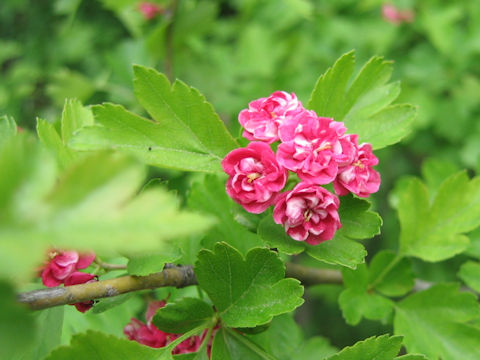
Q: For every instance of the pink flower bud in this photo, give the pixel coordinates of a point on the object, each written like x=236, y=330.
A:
x=255, y=177
x=149, y=10
x=308, y=213
x=391, y=14
x=264, y=116
x=311, y=147
x=359, y=177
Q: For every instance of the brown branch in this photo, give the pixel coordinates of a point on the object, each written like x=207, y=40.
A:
x=177, y=276
x=41, y=299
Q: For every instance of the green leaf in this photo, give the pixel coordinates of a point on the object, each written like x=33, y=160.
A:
x=338, y=251
x=98, y=346
x=74, y=117
x=144, y=264
x=17, y=326
x=284, y=340
x=470, y=274
x=275, y=237
x=106, y=304
x=183, y=315
x=358, y=222
x=357, y=302
x=378, y=348
x=390, y=276
x=49, y=137
x=328, y=96
x=247, y=292
x=230, y=345
x=434, y=232
x=435, y=171
x=186, y=133
x=209, y=197
x=434, y=322
x=8, y=128
x=412, y=357
x=386, y=127
x=364, y=106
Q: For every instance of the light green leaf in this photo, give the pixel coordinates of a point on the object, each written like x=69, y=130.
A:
x=209, y=197
x=364, y=106
x=328, y=96
x=389, y=275
x=186, y=132
x=8, y=128
x=95, y=345
x=434, y=232
x=167, y=103
x=49, y=137
x=230, y=345
x=144, y=264
x=470, y=274
x=412, y=357
x=74, y=117
x=378, y=348
x=183, y=315
x=435, y=171
x=17, y=326
x=434, y=322
x=338, y=251
x=247, y=292
x=386, y=127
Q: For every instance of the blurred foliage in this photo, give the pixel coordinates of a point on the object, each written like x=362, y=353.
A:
x=234, y=51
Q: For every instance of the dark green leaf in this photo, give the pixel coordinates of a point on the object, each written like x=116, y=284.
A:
x=230, y=345
x=183, y=315
x=247, y=292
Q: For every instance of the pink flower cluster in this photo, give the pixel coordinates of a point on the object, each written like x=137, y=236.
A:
x=150, y=10
x=317, y=149
x=62, y=269
x=149, y=335
x=395, y=16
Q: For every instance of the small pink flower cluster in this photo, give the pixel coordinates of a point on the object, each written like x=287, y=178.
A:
x=149, y=10
x=395, y=16
x=62, y=269
x=317, y=149
x=149, y=335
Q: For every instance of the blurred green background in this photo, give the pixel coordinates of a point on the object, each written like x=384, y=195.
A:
x=238, y=50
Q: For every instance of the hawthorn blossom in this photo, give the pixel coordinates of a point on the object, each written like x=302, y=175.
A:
x=255, y=177
x=149, y=10
x=308, y=213
x=264, y=116
x=359, y=177
x=148, y=334
x=62, y=265
x=81, y=278
x=311, y=147
x=395, y=16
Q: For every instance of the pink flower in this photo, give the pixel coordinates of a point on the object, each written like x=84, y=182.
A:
x=62, y=265
x=308, y=213
x=391, y=14
x=81, y=278
x=264, y=116
x=255, y=177
x=359, y=177
x=148, y=334
x=311, y=147
x=149, y=10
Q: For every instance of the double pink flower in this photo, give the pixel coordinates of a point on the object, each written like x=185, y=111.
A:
x=62, y=269
x=316, y=148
